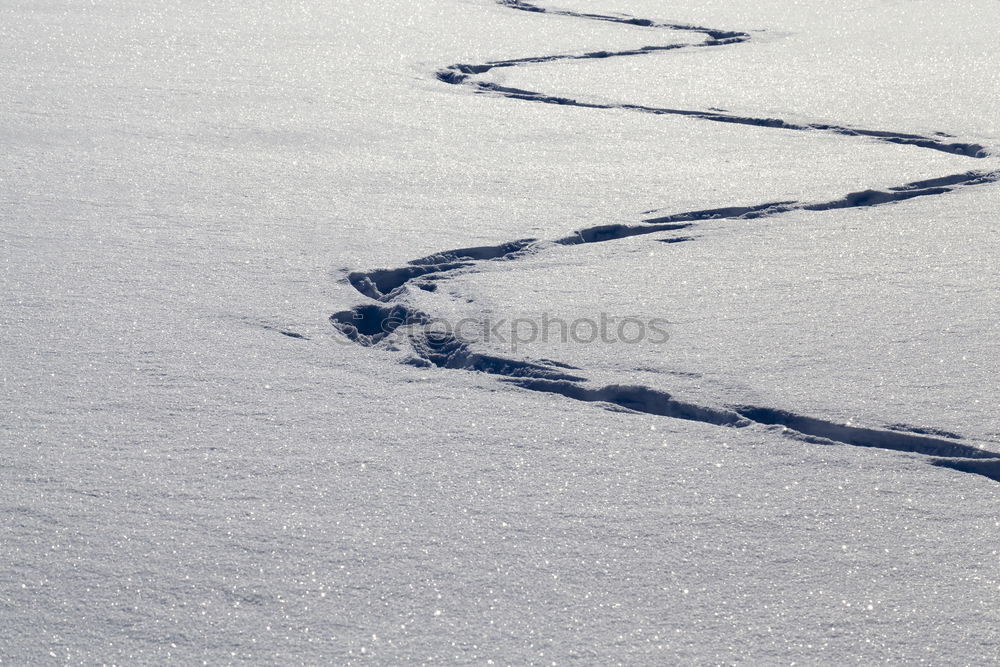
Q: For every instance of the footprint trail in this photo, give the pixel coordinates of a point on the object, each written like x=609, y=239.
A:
x=390, y=316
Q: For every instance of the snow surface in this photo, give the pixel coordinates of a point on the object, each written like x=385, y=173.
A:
x=199, y=465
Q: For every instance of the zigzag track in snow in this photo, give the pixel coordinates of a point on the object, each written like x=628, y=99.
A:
x=464, y=74
x=372, y=323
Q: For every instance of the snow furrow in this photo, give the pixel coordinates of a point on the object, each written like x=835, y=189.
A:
x=942, y=452
x=450, y=75
x=381, y=283
x=901, y=441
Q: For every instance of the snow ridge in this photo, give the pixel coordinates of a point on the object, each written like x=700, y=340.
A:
x=375, y=323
